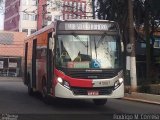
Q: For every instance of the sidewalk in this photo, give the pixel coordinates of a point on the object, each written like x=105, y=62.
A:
x=143, y=97
x=10, y=79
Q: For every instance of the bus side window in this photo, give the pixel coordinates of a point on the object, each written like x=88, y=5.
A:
x=41, y=53
x=38, y=56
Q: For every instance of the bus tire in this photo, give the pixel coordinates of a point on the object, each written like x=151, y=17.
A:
x=45, y=96
x=100, y=101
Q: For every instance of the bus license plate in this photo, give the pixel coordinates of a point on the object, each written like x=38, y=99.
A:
x=93, y=92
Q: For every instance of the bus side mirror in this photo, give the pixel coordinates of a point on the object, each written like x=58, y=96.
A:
x=51, y=43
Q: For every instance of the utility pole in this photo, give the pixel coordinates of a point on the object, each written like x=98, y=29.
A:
x=133, y=76
x=93, y=8
x=148, y=47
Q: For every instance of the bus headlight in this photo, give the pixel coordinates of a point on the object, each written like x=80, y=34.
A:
x=118, y=83
x=63, y=82
x=120, y=80
x=60, y=80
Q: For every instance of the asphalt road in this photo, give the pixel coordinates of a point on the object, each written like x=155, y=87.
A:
x=15, y=100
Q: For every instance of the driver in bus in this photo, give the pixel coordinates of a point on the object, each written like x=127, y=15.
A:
x=78, y=58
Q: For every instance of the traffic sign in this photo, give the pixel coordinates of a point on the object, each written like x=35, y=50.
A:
x=129, y=48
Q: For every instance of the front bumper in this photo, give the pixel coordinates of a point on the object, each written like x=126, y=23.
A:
x=63, y=92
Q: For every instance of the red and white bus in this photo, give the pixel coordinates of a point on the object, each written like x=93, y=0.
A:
x=77, y=59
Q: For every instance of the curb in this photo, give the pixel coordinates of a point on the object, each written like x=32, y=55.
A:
x=143, y=97
x=141, y=100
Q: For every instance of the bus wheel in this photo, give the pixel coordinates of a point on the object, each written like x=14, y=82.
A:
x=30, y=89
x=100, y=101
x=45, y=96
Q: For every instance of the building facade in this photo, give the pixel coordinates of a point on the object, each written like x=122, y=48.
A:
x=73, y=9
x=31, y=15
x=21, y=15
x=41, y=12
x=11, y=53
x=11, y=17
x=28, y=16
x=50, y=10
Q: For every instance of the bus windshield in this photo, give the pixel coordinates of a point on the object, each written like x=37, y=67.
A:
x=88, y=51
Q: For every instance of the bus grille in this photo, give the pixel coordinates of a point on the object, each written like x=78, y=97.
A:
x=85, y=75
x=84, y=91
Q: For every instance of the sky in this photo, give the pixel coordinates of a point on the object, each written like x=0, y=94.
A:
x=1, y=16
x=1, y=21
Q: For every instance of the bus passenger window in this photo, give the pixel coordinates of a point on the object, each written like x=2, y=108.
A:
x=38, y=54
x=43, y=52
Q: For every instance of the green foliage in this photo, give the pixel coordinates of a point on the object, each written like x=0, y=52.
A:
x=113, y=10
x=144, y=89
x=117, y=10
x=146, y=14
x=150, y=89
x=155, y=5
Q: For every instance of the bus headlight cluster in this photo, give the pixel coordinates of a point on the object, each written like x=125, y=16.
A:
x=63, y=82
x=60, y=80
x=118, y=83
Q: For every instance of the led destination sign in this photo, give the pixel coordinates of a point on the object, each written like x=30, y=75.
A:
x=87, y=26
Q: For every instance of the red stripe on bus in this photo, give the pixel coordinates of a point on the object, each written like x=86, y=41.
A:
x=74, y=82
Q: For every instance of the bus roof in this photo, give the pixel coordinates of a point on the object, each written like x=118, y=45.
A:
x=52, y=25
x=86, y=20
x=41, y=30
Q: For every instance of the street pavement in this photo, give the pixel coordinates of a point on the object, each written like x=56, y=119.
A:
x=134, y=96
x=10, y=79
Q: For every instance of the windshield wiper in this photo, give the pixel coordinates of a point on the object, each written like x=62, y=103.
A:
x=99, y=41
x=78, y=38
x=95, y=47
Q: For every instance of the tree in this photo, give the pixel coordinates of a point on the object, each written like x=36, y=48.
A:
x=132, y=42
x=146, y=15
x=117, y=10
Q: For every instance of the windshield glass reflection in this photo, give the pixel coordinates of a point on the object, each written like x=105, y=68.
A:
x=88, y=51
